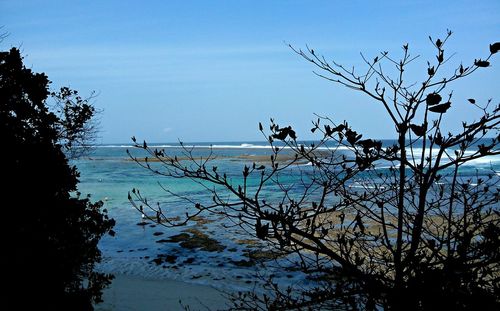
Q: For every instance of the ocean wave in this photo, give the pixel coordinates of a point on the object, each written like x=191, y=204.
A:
x=484, y=161
x=416, y=151
x=223, y=146
x=112, y=146
x=240, y=146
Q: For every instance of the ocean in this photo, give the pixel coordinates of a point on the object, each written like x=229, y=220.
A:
x=108, y=174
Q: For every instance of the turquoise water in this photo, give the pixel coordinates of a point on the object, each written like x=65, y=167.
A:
x=108, y=175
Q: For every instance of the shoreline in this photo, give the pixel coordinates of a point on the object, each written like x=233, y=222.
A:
x=135, y=293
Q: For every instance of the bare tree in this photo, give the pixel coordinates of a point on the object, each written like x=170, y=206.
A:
x=77, y=124
x=418, y=235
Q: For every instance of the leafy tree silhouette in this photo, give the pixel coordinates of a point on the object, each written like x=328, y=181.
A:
x=49, y=233
x=416, y=235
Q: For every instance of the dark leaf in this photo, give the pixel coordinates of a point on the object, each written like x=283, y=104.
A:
x=283, y=133
x=369, y=144
x=438, y=139
x=440, y=57
x=483, y=150
x=472, y=100
x=261, y=230
x=442, y=108
x=433, y=99
x=246, y=171
x=481, y=63
x=495, y=47
x=419, y=130
x=339, y=128
x=359, y=223
x=328, y=130
x=352, y=137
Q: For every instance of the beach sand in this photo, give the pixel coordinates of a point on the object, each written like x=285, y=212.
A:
x=135, y=293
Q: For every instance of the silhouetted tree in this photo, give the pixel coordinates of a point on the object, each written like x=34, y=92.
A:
x=49, y=232
x=416, y=235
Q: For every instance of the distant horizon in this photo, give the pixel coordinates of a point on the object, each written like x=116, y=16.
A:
x=212, y=141
x=139, y=141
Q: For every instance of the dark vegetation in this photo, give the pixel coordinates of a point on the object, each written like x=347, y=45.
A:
x=49, y=232
x=415, y=236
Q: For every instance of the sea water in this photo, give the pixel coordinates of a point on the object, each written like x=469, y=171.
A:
x=108, y=174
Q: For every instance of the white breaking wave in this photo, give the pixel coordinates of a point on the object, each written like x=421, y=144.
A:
x=416, y=151
x=113, y=146
x=217, y=146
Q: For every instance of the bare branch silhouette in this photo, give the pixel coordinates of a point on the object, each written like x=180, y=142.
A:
x=378, y=226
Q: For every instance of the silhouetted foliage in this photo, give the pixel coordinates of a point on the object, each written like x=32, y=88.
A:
x=392, y=227
x=49, y=232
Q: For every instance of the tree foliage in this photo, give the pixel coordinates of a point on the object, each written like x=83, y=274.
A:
x=415, y=235
x=49, y=232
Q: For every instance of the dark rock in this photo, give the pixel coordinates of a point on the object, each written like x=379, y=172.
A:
x=247, y=242
x=178, y=237
x=243, y=263
x=157, y=233
x=261, y=255
x=157, y=261
x=201, y=220
x=195, y=239
x=170, y=219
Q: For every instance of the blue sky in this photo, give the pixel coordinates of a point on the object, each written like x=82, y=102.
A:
x=211, y=70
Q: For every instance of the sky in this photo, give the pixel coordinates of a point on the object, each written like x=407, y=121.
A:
x=201, y=71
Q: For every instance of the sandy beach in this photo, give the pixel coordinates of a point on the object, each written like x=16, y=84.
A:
x=135, y=293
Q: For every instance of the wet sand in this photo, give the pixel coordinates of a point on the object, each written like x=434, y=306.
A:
x=135, y=293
